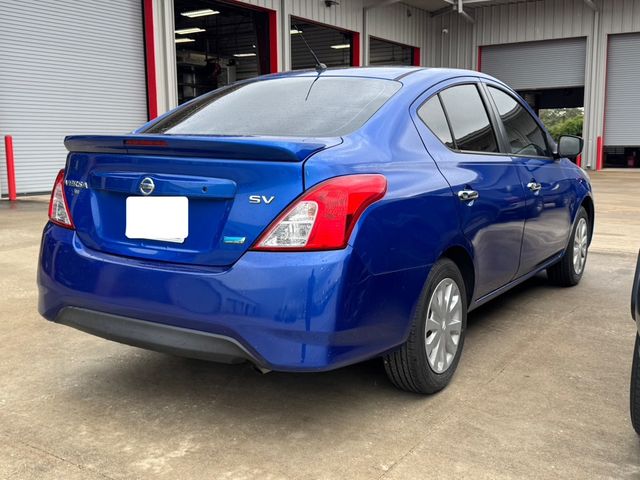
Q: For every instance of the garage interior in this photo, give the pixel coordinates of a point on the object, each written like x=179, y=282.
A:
x=218, y=44
x=332, y=46
x=383, y=52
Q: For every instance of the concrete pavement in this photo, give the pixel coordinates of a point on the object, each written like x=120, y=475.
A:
x=541, y=390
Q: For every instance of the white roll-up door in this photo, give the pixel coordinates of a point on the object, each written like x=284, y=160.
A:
x=67, y=67
x=537, y=65
x=622, y=105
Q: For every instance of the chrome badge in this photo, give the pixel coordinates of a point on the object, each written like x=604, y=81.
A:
x=76, y=183
x=147, y=186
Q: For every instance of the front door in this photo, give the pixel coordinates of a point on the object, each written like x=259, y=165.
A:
x=486, y=182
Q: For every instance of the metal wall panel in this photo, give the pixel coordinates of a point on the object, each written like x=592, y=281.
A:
x=622, y=122
x=531, y=21
x=348, y=14
x=537, y=65
x=78, y=69
x=399, y=23
x=450, y=42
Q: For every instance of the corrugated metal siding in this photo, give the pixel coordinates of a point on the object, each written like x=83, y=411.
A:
x=70, y=67
x=622, y=120
x=348, y=14
x=450, y=42
x=620, y=16
x=533, y=65
x=530, y=21
x=271, y=4
x=400, y=23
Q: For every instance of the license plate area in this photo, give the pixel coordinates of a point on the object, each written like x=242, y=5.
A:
x=164, y=219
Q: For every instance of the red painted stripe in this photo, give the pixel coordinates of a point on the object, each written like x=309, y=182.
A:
x=355, y=54
x=479, y=59
x=273, y=41
x=416, y=57
x=599, y=153
x=150, y=54
x=11, y=171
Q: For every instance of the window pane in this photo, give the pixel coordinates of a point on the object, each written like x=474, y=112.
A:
x=309, y=106
x=433, y=116
x=469, y=121
x=524, y=135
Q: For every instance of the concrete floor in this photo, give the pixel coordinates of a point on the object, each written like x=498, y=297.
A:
x=541, y=391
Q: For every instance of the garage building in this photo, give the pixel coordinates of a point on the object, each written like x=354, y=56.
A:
x=78, y=67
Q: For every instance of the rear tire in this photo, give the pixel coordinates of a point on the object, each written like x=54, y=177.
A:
x=634, y=396
x=569, y=270
x=426, y=362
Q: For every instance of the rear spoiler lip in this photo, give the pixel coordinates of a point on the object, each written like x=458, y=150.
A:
x=286, y=149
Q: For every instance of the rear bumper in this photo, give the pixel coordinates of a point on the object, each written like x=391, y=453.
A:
x=306, y=311
x=156, y=336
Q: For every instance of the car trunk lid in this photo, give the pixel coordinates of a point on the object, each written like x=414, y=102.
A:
x=234, y=187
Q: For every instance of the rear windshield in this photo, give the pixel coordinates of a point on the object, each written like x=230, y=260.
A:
x=296, y=106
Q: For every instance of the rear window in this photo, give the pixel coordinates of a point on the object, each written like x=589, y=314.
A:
x=297, y=106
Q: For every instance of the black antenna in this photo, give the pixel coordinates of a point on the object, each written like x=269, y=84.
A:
x=320, y=67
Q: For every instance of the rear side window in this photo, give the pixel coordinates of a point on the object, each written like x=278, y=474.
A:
x=314, y=106
x=432, y=114
x=468, y=117
x=523, y=133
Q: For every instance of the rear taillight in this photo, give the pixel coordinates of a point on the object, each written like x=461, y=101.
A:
x=323, y=218
x=58, y=206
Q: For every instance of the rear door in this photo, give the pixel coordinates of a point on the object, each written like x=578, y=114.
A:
x=547, y=185
x=486, y=182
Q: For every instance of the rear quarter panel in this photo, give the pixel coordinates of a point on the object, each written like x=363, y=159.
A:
x=398, y=238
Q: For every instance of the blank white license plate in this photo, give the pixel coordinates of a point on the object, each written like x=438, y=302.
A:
x=158, y=218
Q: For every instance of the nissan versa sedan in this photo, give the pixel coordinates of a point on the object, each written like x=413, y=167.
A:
x=310, y=220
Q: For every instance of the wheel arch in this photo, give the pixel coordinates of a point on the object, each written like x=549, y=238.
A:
x=587, y=203
x=461, y=257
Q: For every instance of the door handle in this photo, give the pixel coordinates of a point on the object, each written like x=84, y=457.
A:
x=534, y=186
x=468, y=195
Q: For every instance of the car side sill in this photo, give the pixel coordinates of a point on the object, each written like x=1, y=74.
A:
x=490, y=296
x=157, y=336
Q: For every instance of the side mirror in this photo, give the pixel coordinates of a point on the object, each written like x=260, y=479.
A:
x=569, y=146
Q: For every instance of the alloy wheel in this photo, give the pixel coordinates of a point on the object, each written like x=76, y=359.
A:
x=444, y=325
x=580, y=243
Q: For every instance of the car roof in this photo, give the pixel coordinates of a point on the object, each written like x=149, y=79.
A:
x=385, y=72
x=404, y=73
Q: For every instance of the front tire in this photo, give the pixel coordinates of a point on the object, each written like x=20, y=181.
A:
x=426, y=362
x=568, y=271
x=634, y=396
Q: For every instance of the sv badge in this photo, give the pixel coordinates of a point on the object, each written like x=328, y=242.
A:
x=261, y=199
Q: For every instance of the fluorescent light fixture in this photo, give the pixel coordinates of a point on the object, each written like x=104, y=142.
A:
x=199, y=13
x=341, y=46
x=295, y=31
x=186, y=31
x=184, y=40
x=241, y=55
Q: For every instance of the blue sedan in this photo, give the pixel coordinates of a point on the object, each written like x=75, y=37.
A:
x=310, y=220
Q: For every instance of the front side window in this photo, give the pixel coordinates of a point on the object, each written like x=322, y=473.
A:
x=468, y=117
x=432, y=114
x=305, y=106
x=524, y=135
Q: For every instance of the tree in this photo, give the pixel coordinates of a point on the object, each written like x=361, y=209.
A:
x=563, y=121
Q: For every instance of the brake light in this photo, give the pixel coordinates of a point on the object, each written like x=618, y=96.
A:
x=323, y=217
x=58, y=206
